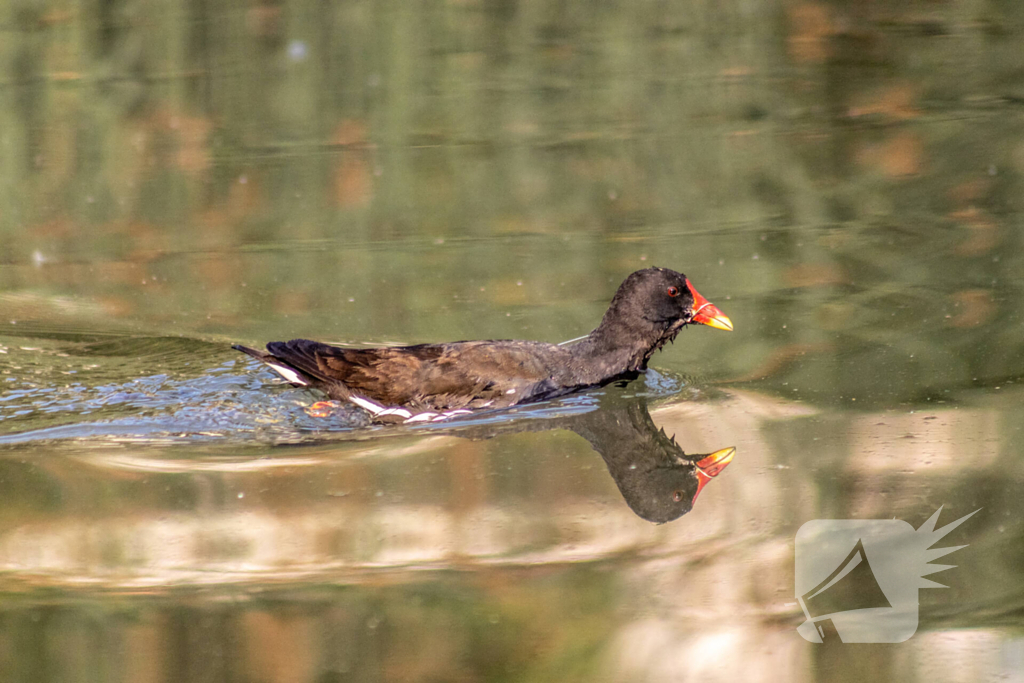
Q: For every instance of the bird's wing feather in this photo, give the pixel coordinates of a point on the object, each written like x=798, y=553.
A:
x=430, y=376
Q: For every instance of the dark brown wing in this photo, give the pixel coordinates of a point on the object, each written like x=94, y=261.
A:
x=431, y=376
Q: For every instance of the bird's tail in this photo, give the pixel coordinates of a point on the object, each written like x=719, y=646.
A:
x=288, y=372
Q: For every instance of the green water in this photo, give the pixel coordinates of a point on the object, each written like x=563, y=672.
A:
x=843, y=181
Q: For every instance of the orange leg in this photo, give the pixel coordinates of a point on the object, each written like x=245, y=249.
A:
x=322, y=408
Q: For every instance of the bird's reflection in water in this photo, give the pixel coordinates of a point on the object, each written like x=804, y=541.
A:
x=658, y=480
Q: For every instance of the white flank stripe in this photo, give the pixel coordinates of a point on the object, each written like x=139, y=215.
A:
x=288, y=374
x=421, y=417
x=366, y=404
x=400, y=412
x=377, y=410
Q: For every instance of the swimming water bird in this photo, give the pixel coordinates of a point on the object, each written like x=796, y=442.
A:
x=433, y=382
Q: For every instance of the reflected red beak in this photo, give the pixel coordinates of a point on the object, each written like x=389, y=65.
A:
x=706, y=313
x=711, y=466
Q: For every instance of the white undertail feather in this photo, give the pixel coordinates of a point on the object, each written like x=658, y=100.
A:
x=289, y=374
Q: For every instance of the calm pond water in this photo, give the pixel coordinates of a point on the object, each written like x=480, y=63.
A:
x=844, y=180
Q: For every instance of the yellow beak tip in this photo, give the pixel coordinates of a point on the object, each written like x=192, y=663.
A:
x=724, y=455
x=713, y=464
x=720, y=322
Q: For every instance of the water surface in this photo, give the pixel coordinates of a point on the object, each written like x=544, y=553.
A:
x=179, y=180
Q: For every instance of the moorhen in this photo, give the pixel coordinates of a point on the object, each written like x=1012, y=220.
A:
x=432, y=382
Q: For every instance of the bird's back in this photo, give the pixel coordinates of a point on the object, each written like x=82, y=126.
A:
x=456, y=375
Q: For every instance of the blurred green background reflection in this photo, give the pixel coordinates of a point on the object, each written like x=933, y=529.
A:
x=843, y=179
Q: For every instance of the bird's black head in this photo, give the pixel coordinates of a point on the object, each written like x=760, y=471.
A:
x=664, y=300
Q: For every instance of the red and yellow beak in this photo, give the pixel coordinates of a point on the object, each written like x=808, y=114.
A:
x=706, y=313
x=712, y=465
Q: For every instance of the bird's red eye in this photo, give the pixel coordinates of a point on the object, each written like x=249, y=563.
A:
x=673, y=291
